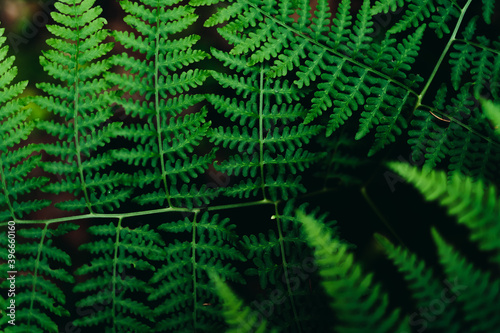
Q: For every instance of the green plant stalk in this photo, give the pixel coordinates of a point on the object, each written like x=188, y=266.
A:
x=285, y=267
x=115, y=260
x=379, y=214
x=142, y=213
x=76, y=128
x=157, y=106
x=35, y=271
x=261, y=131
x=193, y=262
x=443, y=54
x=6, y=193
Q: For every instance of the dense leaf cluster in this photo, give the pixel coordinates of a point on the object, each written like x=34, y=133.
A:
x=300, y=94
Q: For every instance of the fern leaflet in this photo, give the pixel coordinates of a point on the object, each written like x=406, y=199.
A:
x=81, y=108
x=164, y=134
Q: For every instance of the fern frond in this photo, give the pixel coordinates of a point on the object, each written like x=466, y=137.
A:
x=384, y=6
x=446, y=11
x=439, y=141
x=284, y=266
x=345, y=283
x=162, y=78
x=75, y=60
x=424, y=286
x=329, y=57
x=475, y=55
x=239, y=317
x=488, y=10
x=474, y=204
x=40, y=274
x=121, y=252
x=271, y=143
x=16, y=162
x=181, y=284
x=492, y=112
x=476, y=290
x=440, y=10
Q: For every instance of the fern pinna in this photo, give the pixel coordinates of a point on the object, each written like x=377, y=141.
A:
x=465, y=288
x=31, y=258
x=78, y=100
x=16, y=162
x=168, y=126
x=287, y=276
x=437, y=136
x=182, y=284
x=168, y=130
x=334, y=63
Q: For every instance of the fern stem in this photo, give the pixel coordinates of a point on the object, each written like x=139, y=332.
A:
x=157, y=104
x=479, y=46
x=6, y=194
x=115, y=261
x=193, y=262
x=285, y=267
x=379, y=214
x=467, y=127
x=76, y=128
x=35, y=271
x=141, y=213
x=261, y=130
x=238, y=205
x=106, y=216
x=443, y=54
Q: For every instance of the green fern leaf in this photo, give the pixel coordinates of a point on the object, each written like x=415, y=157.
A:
x=492, y=111
x=167, y=136
x=424, y=286
x=474, y=204
x=238, y=316
x=121, y=251
x=39, y=297
x=416, y=12
x=181, y=283
x=75, y=61
x=15, y=162
x=461, y=58
x=446, y=11
x=271, y=141
x=488, y=10
x=476, y=290
x=344, y=281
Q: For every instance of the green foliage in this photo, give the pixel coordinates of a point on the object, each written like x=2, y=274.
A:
x=424, y=285
x=253, y=110
x=120, y=252
x=475, y=204
x=269, y=145
x=163, y=136
x=181, y=283
x=78, y=99
x=345, y=282
x=16, y=162
x=41, y=298
x=236, y=314
x=335, y=64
